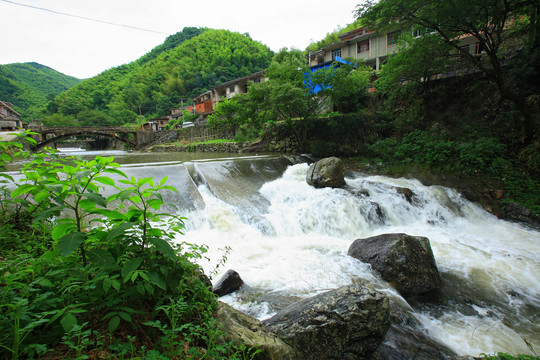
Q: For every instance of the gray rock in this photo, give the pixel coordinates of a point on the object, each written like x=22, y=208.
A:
x=240, y=328
x=405, y=261
x=230, y=282
x=346, y=323
x=407, y=193
x=520, y=214
x=327, y=172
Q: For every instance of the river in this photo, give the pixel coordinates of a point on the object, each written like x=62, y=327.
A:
x=289, y=241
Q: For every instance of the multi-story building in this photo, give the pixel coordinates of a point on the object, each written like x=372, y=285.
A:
x=206, y=102
x=361, y=43
x=372, y=47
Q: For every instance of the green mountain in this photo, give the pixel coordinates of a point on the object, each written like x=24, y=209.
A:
x=29, y=86
x=185, y=65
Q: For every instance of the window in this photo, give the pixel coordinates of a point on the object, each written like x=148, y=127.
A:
x=232, y=89
x=417, y=32
x=392, y=38
x=363, y=46
x=336, y=53
x=479, y=49
x=464, y=50
x=257, y=80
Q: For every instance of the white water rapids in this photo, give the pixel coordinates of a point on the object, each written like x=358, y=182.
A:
x=290, y=240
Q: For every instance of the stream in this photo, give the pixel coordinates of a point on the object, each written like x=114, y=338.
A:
x=289, y=241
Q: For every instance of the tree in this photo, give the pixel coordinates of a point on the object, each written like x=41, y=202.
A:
x=489, y=22
x=344, y=84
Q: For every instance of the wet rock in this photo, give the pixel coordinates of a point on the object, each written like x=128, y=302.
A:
x=405, y=261
x=403, y=343
x=327, y=172
x=230, y=282
x=240, y=328
x=407, y=193
x=346, y=323
x=518, y=213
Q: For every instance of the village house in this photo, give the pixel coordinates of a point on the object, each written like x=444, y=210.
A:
x=374, y=48
x=9, y=118
x=156, y=124
x=206, y=102
x=362, y=43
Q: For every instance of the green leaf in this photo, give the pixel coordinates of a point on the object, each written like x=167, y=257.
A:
x=155, y=204
x=103, y=258
x=54, y=211
x=149, y=288
x=144, y=181
x=107, y=283
x=41, y=196
x=105, y=180
x=163, y=181
x=98, y=199
x=22, y=189
x=87, y=205
x=83, y=174
x=115, y=171
x=118, y=231
x=113, y=323
x=68, y=322
x=45, y=282
x=125, y=316
x=62, y=229
x=116, y=285
x=130, y=267
x=140, y=289
x=157, y=280
x=70, y=242
x=164, y=247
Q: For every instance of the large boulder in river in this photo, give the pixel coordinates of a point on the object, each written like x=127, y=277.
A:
x=405, y=261
x=327, y=172
x=346, y=323
x=240, y=328
x=230, y=282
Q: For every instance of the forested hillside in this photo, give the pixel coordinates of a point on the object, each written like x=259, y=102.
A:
x=187, y=64
x=30, y=85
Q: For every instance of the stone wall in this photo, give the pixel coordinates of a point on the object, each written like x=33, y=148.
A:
x=201, y=133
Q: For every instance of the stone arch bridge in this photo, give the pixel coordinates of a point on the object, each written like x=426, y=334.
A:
x=131, y=136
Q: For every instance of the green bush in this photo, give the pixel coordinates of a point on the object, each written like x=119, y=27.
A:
x=107, y=276
x=438, y=151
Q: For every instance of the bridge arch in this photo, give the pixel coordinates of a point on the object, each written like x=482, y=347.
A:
x=140, y=138
x=67, y=135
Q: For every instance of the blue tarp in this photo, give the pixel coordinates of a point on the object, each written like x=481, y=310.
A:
x=324, y=66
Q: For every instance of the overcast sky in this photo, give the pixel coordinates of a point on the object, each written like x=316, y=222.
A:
x=84, y=48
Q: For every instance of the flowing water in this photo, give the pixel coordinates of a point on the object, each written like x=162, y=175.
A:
x=288, y=241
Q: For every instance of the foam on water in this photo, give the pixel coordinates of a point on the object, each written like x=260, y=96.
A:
x=302, y=250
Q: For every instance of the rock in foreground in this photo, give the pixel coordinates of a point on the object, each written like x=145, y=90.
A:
x=346, y=323
x=405, y=261
x=244, y=329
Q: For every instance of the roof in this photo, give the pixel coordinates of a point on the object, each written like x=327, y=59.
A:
x=9, y=106
x=245, y=78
